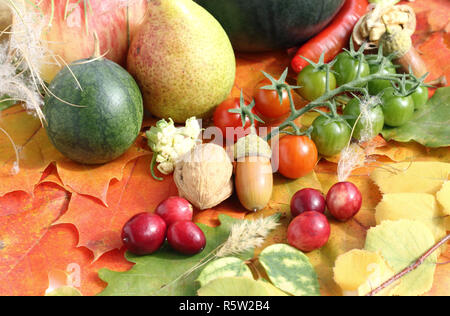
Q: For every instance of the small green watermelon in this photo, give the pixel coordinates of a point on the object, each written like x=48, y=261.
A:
x=97, y=117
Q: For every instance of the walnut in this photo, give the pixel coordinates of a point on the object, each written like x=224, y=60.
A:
x=203, y=176
x=372, y=26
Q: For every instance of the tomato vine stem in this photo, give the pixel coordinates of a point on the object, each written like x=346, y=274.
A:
x=353, y=86
x=358, y=85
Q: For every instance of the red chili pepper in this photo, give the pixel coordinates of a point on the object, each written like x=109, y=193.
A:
x=334, y=37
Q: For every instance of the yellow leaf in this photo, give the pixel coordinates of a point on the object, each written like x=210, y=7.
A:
x=419, y=177
x=443, y=198
x=401, y=243
x=420, y=207
x=358, y=272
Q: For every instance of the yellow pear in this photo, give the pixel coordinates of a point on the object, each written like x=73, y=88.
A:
x=182, y=60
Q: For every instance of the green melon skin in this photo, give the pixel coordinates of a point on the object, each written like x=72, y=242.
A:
x=107, y=117
x=266, y=25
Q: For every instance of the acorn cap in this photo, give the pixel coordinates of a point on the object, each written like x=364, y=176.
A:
x=252, y=145
x=397, y=42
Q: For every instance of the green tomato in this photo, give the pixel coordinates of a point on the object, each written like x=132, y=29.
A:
x=313, y=83
x=369, y=125
x=346, y=68
x=330, y=137
x=397, y=109
x=378, y=85
x=420, y=96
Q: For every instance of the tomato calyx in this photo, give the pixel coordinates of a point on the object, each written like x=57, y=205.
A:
x=245, y=111
x=297, y=131
x=320, y=65
x=280, y=86
x=414, y=82
x=408, y=84
x=316, y=79
x=380, y=59
x=333, y=115
x=356, y=54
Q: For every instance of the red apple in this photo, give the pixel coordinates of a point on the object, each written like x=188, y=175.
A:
x=71, y=39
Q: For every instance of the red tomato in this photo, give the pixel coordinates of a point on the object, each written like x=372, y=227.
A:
x=231, y=123
x=297, y=156
x=268, y=102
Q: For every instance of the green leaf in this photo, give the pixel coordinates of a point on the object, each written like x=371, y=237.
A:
x=239, y=286
x=223, y=268
x=64, y=291
x=290, y=270
x=430, y=126
x=164, y=272
x=401, y=243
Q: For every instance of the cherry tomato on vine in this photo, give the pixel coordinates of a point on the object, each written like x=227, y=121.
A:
x=397, y=109
x=378, y=85
x=369, y=124
x=297, y=156
x=267, y=102
x=313, y=82
x=231, y=123
x=346, y=68
x=420, y=96
x=330, y=135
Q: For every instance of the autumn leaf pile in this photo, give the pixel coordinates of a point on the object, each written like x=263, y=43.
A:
x=60, y=222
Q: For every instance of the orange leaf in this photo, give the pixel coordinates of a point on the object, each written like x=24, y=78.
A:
x=57, y=251
x=24, y=222
x=431, y=37
x=100, y=226
x=94, y=180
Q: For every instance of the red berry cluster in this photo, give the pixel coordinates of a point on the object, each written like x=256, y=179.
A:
x=145, y=233
x=310, y=229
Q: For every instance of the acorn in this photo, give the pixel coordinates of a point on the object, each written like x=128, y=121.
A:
x=253, y=174
x=400, y=44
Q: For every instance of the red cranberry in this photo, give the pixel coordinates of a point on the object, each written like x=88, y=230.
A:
x=309, y=231
x=344, y=201
x=175, y=209
x=186, y=237
x=307, y=200
x=144, y=233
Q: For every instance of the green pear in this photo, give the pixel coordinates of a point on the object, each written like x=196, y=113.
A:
x=182, y=59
